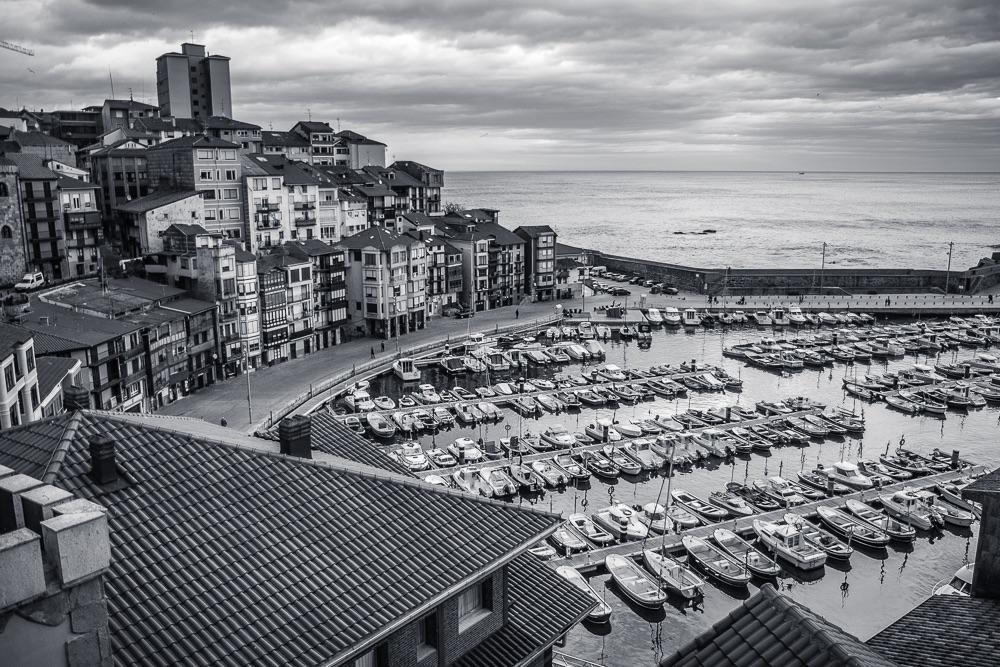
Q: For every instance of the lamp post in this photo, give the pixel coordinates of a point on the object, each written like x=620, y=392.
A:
x=822, y=268
x=947, y=278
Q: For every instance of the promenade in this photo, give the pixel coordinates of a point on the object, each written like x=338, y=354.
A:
x=275, y=386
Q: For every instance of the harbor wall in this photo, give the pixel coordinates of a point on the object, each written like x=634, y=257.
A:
x=860, y=280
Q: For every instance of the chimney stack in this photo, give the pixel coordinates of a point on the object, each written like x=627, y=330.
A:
x=76, y=397
x=295, y=435
x=986, y=576
x=103, y=468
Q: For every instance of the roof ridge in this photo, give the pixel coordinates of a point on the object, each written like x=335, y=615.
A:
x=59, y=453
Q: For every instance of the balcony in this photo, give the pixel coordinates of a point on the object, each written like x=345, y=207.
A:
x=268, y=224
x=267, y=207
x=305, y=221
x=301, y=333
x=305, y=206
x=82, y=219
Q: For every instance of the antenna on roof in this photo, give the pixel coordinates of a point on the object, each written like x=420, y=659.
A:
x=112, y=80
x=130, y=95
x=192, y=35
x=309, y=114
x=338, y=125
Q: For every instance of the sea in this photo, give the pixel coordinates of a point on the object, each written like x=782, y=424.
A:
x=753, y=219
x=862, y=596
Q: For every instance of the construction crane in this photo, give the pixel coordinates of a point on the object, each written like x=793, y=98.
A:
x=16, y=47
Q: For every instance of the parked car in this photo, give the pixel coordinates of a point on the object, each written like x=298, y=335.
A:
x=30, y=281
x=619, y=291
x=670, y=290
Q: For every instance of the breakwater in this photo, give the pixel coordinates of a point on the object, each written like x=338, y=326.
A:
x=793, y=282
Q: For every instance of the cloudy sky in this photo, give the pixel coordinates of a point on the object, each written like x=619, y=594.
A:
x=564, y=84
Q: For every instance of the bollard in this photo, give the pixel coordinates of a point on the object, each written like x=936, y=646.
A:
x=829, y=486
x=954, y=459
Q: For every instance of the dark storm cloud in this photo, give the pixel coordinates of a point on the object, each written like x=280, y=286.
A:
x=581, y=84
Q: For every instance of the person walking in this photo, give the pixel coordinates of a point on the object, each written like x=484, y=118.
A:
x=383, y=346
x=373, y=351
x=517, y=313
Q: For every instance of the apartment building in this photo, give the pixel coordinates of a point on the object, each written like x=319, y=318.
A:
x=425, y=195
x=78, y=127
x=540, y=262
x=83, y=225
x=41, y=215
x=493, y=258
x=200, y=327
x=248, y=303
x=123, y=113
x=290, y=144
x=358, y=151
x=13, y=257
x=193, y=84
x=323, y=142
x=295, y=276
x=20, y=395
x=39, y=145
x=146, y=219
x=245, y=135
x=329, y=214
x=120, y=171
x=445, y=275
x=329, y=292
x=282, y=200
x=110, y=352
x=210, y=166
x=165, y=128
x=386, y=282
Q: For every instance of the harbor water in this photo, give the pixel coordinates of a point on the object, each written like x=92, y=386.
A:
x=862, y=596
x=758, y=219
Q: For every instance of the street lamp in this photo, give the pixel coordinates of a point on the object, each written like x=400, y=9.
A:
x=822, y=268
x=947, y=279
x=558, y=310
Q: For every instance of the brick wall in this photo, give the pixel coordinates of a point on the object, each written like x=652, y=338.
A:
x=451, y=644
x=13, y=263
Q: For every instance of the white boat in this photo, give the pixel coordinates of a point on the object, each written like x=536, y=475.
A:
x=628, y=429
x=548, y=473
x=634, y=582
x=781, y=490
x=690, y=318
x=466, y=451
x=548, y=403
x=589, y=530
x=594, y=349
x=557, y=436
x=948, y=512
x=379, y=425
x=671, y=317
x=847, y=473
x=585, y=330
x=437, y=480
x=577, y=352
x=496, y=361
x=896, y=530
x=504, y=389
x=495, y=483
x=441, y=458
x=600, y=613
x=466, y=479
x=384, y=403
x=603, y=431
x=744, y=552
x=359, y=401
x=428, y=394
x=909, y=508
x=672, y=574
x=611, y=372
x=795, y=316
x=489, y=411
x=654, y=317
x=654, y=516
x=406, y=370
x=778, y=317
x=622, y=522
x=472, y=364
x=787, y=543
x=412, y=456
x=406, y=422
x=603, y=332
x=960, y=584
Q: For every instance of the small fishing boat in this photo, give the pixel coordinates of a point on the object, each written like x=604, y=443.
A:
x=428, y=394
x=426, y=420
x=489, y=411
x=757, y=500
x=611, y=372
x=466, y=451
x=407, y=402
x=495, y=483
x=848, y=474
x=654, y=516
x=602, y=431
x=444, y=416
x=406, y=370
x=819, y=538
x=634, y=582
x=852, y=528
x=744, y=552
x=359, y=401
x=672, y=575
x=896, y=530
x=384, y=403
x=621, y=521
x=681, y=517
x=780, y=490
x=354, y=424
x=602, y=611
x=441, y=458
x=485, y=392
x=596, y=463
x=715, y=562
x=523, y=476
x=543, y=550
x=567, y=541
x=589, y=530
x=960, y=584
x=573, y=470
x=641, y=451
x=437, y=480
x=949, y=513
x=909, y=508
x=412, y=456
x=552, y=476
x=816, y=480
x=787, y=543
x=379, y=425
x=626, y=465
x=693, y=504
x=732, y=503
x=468, y=480
x=871, y=468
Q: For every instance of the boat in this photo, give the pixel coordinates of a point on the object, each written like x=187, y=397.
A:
x=452, y=365
x=495, y=483
x=960, y=584
x=795, y=316
x=781, y=491
x=354, y=424
x=601, y=613
x=872, y=468
x=732, y=503
x=407, y=402
x=952, y=493
x=411, y=455
x=384, y=403
x=444, y=416
x=548, y=403
x=550, y=475
x=641, y=451
x=585, y=330
x=504, y=389
x=949, y=513
x=489, y=411
x=654, y=516
x=428, y=394
x=628, y=429
x=473, y=364
x=744, y=552
x=671, y=317
x=437, y=480
x=465, y=451
x=626, y=465
x=847, y=474
x=426, y=420
x=634, y=582
x=589, y=530
x=672, y=575
x=526, y=405
x=909, y=508
x=379, y=425
x=467, y=480
x=523, y=476
x=621, y=521
x=359, y=401
x=787, y=543
x=693, y=504
x=819, y=538
x=567, y=541
x=625, y=393
x=815, y=479
x=597, y=464
x=441, y=458
x=611, y=372
x=895, y=529
x=594, y=349
x=543, y=550
x=757, y=500
x=715, y=562
x=602, y=431
x=406, y=370
x=852, y=528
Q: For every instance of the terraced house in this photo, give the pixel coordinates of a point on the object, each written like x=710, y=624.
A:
x=540, y=265
x=310, y=549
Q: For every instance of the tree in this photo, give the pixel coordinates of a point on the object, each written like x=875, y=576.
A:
x=453, y=207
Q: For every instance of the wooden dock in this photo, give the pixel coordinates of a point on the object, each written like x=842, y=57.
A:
x=593, y=560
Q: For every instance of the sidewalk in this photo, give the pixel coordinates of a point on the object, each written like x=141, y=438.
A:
x=276, y=385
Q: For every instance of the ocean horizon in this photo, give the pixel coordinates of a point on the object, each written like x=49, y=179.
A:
x=758, y=219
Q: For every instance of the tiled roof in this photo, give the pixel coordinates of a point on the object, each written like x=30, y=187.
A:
x=156, y=199
x=987, y=485
x=39, y=139
x=535, y=231
x=942, y=631
x=31, y=167
x=67, y=330
x=223, y=123
x=52, y=371
x=332, y=437
x=227, y=553
x=187, y=229
x=376, y=237
x=355, y=138
x=131, y=105
x=543, y=607
x=189, y=306
x=314, y=126
x=275, y=138
x=67, y=183
x=412, y=167
x=193, y=141
x=34, y=448
x=771, y=629
x=11, y=336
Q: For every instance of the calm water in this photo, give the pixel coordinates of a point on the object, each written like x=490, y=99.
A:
x=863, y=596
x=762, y=219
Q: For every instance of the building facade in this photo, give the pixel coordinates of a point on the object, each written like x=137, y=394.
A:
x=145, y=220
x=83, y=227
x=13, y=259
x=193, y=84
x=45, y=235
x=540, y=261
x=329, y=289
x=20, y=398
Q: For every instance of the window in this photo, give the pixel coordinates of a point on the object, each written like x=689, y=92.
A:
x=209, y=214
x=30, y=357
x=229, y=193
x=229, y=155
x=260, y=184
x=17, y=368
x=230, y=174
x=204, y=155
x=8, y=376
x=233, y=213
x=5, y=231
x=205, y=174
x=13, y=416
x=474, y=604
x=370, y=259
x=3, y=190
x=426, y=636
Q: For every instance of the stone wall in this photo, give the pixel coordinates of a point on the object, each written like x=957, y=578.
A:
x=13, y=263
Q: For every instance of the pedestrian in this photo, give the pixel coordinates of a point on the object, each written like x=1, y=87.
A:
x=373, y=351
x=383, y=346
x=517, y=313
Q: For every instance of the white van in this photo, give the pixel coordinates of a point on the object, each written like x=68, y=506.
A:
x=30, y=281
